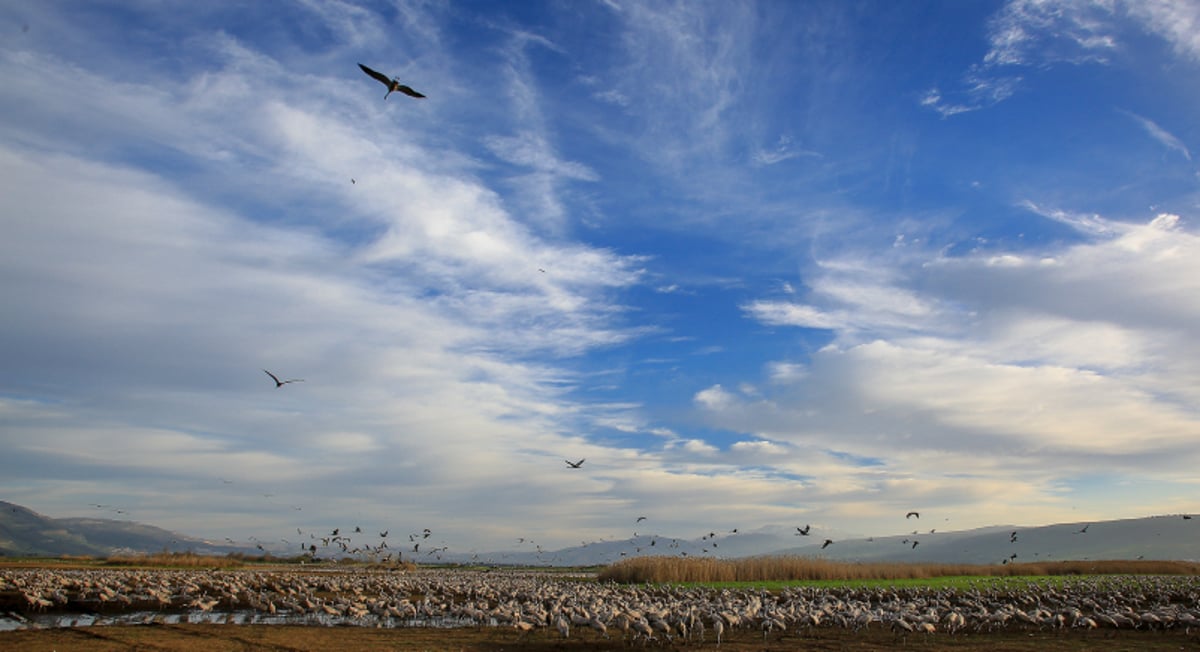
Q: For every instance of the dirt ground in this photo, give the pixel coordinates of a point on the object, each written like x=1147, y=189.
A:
x=220, y=638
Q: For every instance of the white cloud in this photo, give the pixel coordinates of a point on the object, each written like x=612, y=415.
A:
x=786, y=313
x=783, y=150
x=714, y=398
x=531, y=150
x=1033, y=33
x=1177, y=21
x=1163, y=136
x=1049, y=366
x=1092, y=224
x=143, y=308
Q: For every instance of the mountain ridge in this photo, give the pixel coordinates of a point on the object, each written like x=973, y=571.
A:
x=24, y=532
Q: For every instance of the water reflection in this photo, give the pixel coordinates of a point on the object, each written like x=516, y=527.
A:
x=13, y=621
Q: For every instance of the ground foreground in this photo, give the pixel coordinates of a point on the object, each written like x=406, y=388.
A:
x=214, y=638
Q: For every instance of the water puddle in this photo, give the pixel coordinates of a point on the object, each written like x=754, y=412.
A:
x=13, y=621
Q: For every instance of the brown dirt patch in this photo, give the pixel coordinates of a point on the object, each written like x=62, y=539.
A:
x=221, y=638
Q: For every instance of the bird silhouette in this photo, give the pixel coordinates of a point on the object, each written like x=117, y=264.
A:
x=575, y=465
x=640, y=519
x=803, y=531
x=912, y=514
x=828, y=542
x=281, y=383
x=392, y=84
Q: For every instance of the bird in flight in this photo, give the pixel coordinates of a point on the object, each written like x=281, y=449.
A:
x=803, y=532
x=912, y=514
x=1084, y=530
x=281, y=383
x=575, y=465
x=639, y=519
x=393, y=84
x=828, y=542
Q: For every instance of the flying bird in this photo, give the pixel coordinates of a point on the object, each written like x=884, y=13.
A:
x=393, y=84
x=828, y=542
x=912, y=514
x=803, y=532
x=575, y=465
x=1084, y=530
x=640, y=519
x=281, y=383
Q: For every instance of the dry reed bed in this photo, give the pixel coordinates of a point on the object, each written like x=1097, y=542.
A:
x=178, y=560
x=640, y=570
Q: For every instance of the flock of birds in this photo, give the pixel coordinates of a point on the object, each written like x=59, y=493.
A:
x=549, y=605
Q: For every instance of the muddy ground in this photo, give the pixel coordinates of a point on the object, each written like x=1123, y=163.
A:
x=214, y=638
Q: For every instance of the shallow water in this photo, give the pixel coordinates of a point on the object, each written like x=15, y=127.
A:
x=13, y=622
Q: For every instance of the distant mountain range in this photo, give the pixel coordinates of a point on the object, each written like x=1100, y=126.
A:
x=26, y=533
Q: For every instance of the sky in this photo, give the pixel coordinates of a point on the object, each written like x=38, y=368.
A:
x=759, y=264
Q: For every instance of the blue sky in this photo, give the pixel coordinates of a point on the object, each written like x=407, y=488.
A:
x=760, y=264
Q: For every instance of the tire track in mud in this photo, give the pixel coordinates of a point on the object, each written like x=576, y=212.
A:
x=221, y=635
x=93, y=636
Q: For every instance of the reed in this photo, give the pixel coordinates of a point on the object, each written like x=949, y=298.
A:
x=175, y=559
x=794, y=568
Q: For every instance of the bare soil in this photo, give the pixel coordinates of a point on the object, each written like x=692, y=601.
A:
x=220, y=638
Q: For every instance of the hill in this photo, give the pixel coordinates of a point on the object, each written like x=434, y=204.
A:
x=24, y=532
x=1154, y=537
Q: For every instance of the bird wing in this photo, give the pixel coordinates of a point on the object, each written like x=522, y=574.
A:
x=407, y=90
x=273, y=376
x=377, y=75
